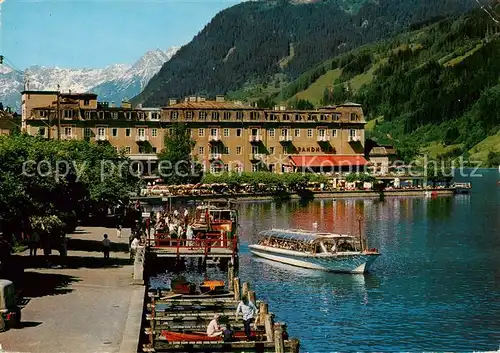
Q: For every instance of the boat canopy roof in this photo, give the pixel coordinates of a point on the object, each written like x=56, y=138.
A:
x=302, y=235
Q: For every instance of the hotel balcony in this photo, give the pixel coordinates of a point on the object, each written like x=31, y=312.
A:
x=286, y=138
x=354, y=139
x=214, y=156
x=257, y=156
x=324, y=138
x=255, y=138
x=214, y=138
x=69, y=137
x=101, y=138
x=141, y=138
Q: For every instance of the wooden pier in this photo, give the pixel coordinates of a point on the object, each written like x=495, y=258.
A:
x=192, y=313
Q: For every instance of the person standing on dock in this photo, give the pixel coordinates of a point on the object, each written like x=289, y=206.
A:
x=249, y=311
x=213, y=329
x=106, y=246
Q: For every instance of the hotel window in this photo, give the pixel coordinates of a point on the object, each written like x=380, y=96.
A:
x=68, y=114
x=272, y=168
x=114, y=132
x=284, y=132
x=227, y=115
x=86, y=102
x=174, y=115
x=190, y=132
x=309, y=132
x=238, y=132
x=226, y=167
x=189, y=115
x=284, y=150
x=170, y=131
x=254, y=116
x=202, y=115
x=114, y=115
x=238, y=168
x=271, y=132
x=255, y=167
x=68, y=131
x=155, y=116
x=117, y=149
x=128, y=149
x=87, y=132
x=226, y=132
x=141, y=132
x=41, y=131
x=297, y=133
x=238, y=150
x=271, y=150
x=352, y=133
x=321, y=133
x=201, y=150
x=100, y=115
x=354, y=116
x=336, y=116
x=255, y=132
x=323, y=117
x=214, y=132
x=239, y=115
x=311, y=117
x=255, y=149
x=215, y=115
x=127, y=115
x=226, y=150
x=154, y=149
x=298, y=117
x=286, y=117
x=154, y=132
x=201, y=132
x=127, y=132
x=334, y=133
x=101, y=131
x=87, y=115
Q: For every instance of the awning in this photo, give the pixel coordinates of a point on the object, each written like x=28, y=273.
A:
x=328, y=161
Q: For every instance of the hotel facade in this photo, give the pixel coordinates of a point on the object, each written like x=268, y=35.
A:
x=229, y=135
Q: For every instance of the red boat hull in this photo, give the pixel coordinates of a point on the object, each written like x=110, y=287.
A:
x=188, y=337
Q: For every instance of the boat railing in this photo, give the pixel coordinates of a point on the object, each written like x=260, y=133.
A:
x=211, y=241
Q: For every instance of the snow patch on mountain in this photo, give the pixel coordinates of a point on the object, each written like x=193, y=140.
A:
x=112, y=83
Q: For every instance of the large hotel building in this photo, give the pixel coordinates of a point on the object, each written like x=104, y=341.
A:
x=228, y=135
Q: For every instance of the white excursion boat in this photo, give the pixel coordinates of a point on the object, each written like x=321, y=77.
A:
x=320, y=251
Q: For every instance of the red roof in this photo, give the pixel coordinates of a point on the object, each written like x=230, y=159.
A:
x=328, y=161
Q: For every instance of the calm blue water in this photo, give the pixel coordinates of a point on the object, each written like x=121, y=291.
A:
x=436, y=286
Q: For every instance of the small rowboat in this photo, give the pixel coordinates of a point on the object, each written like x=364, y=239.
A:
x=212, y=286
x=171, y=336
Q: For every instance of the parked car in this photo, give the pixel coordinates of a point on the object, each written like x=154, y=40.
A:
x=10, y=313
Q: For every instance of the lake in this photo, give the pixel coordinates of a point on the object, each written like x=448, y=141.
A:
x=436, y=286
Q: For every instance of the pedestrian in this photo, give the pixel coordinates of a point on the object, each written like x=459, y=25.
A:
x=34, y=243
x=248, y=311
x=133, y=248
x=186, y=216
x=106, y=246
x=118, y=230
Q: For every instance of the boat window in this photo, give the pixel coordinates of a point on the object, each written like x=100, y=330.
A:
x=317, y=249
x=345, y=245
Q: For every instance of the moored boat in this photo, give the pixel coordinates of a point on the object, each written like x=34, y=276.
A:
x=171, y=336
x=321, y=251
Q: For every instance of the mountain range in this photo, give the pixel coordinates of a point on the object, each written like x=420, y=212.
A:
x=113, y=83
x=272, y=42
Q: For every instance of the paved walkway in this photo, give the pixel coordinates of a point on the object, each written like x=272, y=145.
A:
x=89, y=305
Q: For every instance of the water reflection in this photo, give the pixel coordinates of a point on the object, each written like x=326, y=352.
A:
x=435, y=287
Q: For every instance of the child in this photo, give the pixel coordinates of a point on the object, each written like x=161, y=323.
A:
x=106, y=243
x=227, y=334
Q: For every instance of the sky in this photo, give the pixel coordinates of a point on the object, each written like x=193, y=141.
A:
x=97, y=33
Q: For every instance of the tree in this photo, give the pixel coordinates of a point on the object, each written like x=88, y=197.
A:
x=175, y=161
x=54, y=183
x=304, y=104
x=493, y=159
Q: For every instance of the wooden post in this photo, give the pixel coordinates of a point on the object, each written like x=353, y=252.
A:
x=295, y=344
x=236, y=285
x=230, y=277
x=245, y=289
x=268, y=323
x=252, y=297
x=279, y=344
x=263, y=311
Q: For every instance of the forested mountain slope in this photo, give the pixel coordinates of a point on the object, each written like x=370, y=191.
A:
x=433, y=90
x=255, y=40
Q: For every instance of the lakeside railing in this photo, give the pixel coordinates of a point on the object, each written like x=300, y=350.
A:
x=198, y=245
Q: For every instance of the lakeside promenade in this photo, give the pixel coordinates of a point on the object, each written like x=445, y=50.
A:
x=88, y=306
